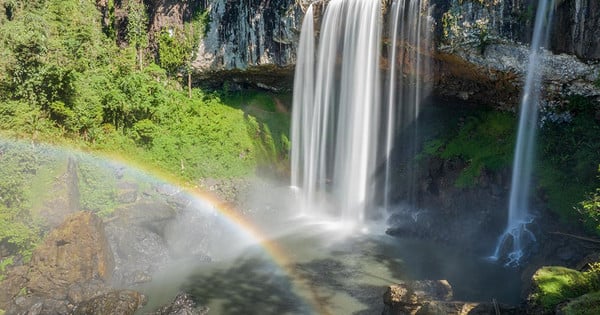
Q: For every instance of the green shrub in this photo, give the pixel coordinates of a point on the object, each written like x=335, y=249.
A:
x=568, y=160
x=484, y=141
x=588, y=304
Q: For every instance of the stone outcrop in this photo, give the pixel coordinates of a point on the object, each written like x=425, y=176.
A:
x=77, y=251
x=183, y=304
x=434, y=297
x=119, y=302
x=61, y=198
x=496, y=76
x=69, y=273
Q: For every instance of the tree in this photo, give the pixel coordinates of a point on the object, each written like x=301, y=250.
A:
x=136, y=28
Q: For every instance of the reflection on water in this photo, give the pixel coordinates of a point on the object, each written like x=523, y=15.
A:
x=346, y=276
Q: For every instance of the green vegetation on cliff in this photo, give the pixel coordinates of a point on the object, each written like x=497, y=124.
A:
x=567, y=160
x=65, y=80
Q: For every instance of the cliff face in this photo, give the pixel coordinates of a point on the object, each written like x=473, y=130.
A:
x=249, y=42
x=576, y=23
x=577, y=28
x=243, y=34
x=254, y=42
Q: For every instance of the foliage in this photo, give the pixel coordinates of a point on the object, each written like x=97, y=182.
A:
x=64, y=80
x=97, y=187
x=458, y=30
x=569, y=158
x=555, y=285
x=484, y=141
x=4, y=264
x=137, y=20
x=17, y=229
x=590, y=210
x=587, y=304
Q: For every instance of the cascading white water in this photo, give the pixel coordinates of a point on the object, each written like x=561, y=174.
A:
x=335, y=121
x=518, y=210
x=340, y=125
x=303, y=94
x=410, y=31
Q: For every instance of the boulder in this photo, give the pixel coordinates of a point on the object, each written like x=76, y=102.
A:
x=434, y=297
x=183, y=304
x=408, y=297
x=76, y=252
x=119, y=302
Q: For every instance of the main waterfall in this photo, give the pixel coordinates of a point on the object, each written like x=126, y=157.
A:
x=518, y=209
x=341, y=129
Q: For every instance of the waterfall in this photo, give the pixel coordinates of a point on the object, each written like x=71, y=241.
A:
x=341, y=128
x=410, y=32
x=335, y=116
x=518, y=209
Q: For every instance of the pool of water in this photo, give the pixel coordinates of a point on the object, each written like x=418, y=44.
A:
x=317, y=269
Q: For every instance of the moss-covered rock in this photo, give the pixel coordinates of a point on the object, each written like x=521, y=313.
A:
x=555, y=285
x=587, y=304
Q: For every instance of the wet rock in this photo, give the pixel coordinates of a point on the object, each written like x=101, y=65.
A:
x=409, y=297
x=36, y=305
x=80, y=292
x=77, y=251
x=183, y=304
x=434, y=297
x=62, y=197
x=127, y=192
x=12, y=285
x=121, y=302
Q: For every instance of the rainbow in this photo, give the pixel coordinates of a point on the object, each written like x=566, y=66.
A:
x=227, y=211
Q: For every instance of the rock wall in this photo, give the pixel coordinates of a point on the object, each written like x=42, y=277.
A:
x=246, y=35
x=577, y=28
x=576, y=23
x=249, y=33
x=254, y=42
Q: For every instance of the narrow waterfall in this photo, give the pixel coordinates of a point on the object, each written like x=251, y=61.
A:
x=410, y=65
x=335, y=120
x=518, y=210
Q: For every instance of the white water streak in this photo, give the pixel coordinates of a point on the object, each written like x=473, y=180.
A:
x=518, y=209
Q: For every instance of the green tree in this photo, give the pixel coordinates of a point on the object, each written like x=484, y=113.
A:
x=136, y=28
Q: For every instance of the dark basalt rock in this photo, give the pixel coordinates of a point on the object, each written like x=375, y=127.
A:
x=120, y=302
x=183, y=304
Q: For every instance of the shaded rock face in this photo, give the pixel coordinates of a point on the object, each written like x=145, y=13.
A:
x=576, y=28
x=471, y=218
x=251, y=43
